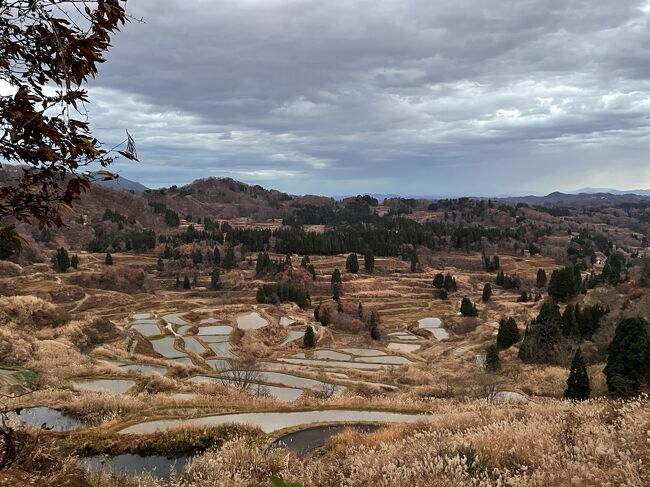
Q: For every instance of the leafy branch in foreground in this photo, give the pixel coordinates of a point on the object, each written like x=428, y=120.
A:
x=45, y=59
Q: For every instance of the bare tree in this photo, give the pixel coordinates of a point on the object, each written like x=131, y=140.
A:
x=244, y=375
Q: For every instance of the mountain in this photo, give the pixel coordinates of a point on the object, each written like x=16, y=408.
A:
x=641, y=192
x=123, y=184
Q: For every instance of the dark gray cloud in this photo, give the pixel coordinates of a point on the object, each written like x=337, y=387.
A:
x=408, y=96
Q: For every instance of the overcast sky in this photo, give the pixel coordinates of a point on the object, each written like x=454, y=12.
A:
x=415, y=97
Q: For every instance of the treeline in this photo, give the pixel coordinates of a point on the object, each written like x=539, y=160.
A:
x=266, y=266
x=281, y=293
x=171, y=217
x=136, y=240
x=383, y=241
x=546, y=333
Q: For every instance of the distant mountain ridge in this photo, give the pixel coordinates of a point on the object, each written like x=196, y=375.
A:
x=124, y=184
x=640, y=192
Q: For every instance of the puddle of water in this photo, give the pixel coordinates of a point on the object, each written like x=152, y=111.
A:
x=403, y=335
x=331, y=355
x=52, y=418
x=284, y=321
x=289, y=380
x=434, y=325
x=159, y=466
x=439, y=333
x=251, y=321
x=222, y=349
x=215, y=338
x=299, y=355
x=332, y=363
x=141, y=316
x=387, y=360
x=364, y=352
x=144, y=322
x=281, y=393
x=175, y=319
x=180, y=361
x=209, y=321
x=215, y=330
x=165, y=347
x=145, y=369
x=110, y=386
x=193, y=345
x=404, y=347
x=274, y=421
x=480, y=360
x=430, y=323
x=184, y=330
x=303, y=441
x=147, y=329
x=293, y=335
x=461, y=350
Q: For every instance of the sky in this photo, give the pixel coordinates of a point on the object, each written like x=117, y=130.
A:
x=414, y=97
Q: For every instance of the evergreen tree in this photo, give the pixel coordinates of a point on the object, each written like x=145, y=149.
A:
x=564, y=283
x=541, y=279
x=336, y=293
x=178, y=281
x=216, y=257
x=304, y=262
x=492, y=360
x=62, y=260
x=74, y=261
x=375, y=334
x=325, y=318
x=215, y=278
x=260, y=297
x=360, y=311
x=196, y=256
x=628, y=361
x=569, y=322
x=312, y=270
x=369, y=261
x=508, y=333
x=414, y=260
x=186, y=283
x=317, y=311
x=439, y=281
x=108, y=260
x=160, y=265
x=450, y=283
x=542, y=336
x=309, y=340
x=467, y=308
x=577, y=385
x=352, y=264
x=228, y=261
x=336, y=277
x=487, y=292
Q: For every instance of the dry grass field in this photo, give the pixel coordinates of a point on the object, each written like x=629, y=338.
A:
x=65, y=334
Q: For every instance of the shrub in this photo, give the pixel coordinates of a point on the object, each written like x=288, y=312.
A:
x=492, y=360
x=628, y=361
x=467, y=308
x=309, y=340
x=577, y=385
x=508, y=333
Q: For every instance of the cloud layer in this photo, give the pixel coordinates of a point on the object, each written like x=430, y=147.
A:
x=405, y=96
